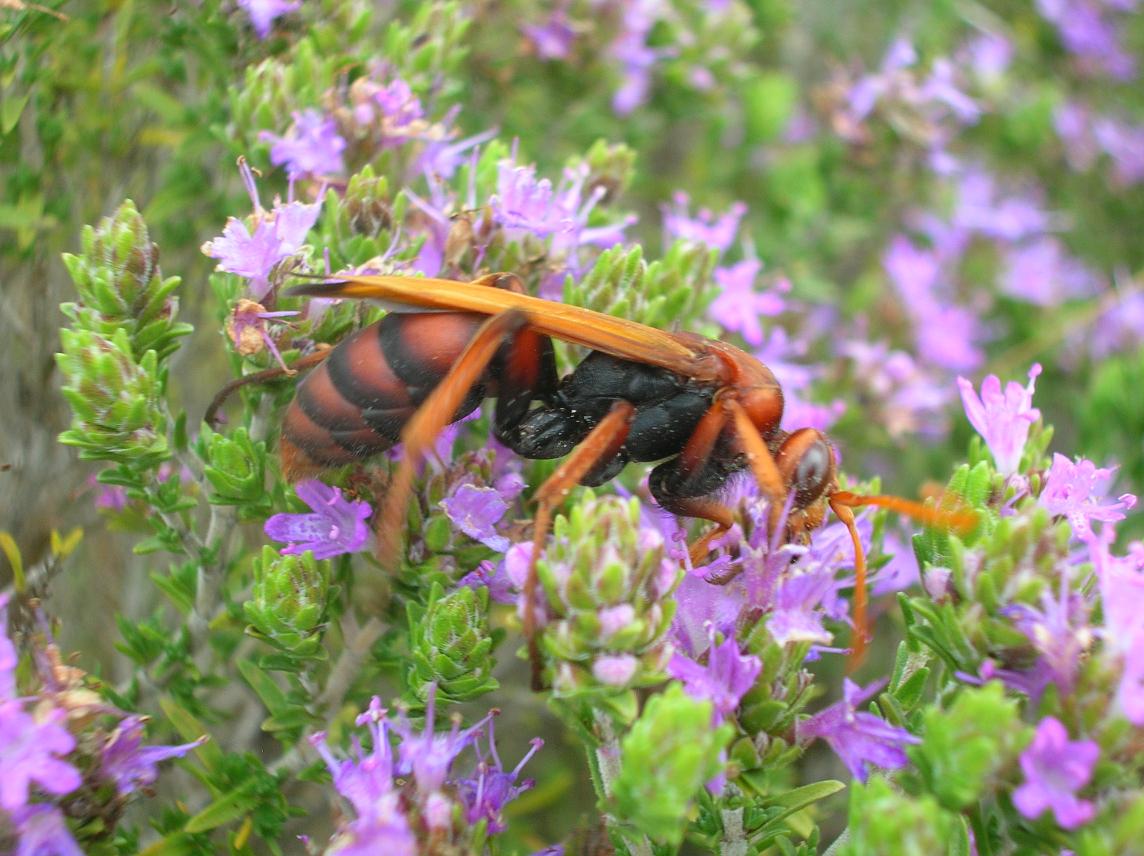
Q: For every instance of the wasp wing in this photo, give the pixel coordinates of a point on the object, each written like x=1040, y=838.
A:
x=619, y=337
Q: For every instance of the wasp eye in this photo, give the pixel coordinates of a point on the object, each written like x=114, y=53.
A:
x=813, y=472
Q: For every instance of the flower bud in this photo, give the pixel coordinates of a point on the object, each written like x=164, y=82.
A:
x=235, y=467
x=287, y=607
x=452, y=645
x=606, y=590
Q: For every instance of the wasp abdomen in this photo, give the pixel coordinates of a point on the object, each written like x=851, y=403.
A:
x=355, y=404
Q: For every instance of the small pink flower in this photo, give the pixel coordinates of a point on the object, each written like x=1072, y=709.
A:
x=1002, y=418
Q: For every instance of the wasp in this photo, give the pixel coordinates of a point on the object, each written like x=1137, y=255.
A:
x=702, y=408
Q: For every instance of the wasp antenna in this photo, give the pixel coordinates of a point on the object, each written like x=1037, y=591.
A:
x=959, y=520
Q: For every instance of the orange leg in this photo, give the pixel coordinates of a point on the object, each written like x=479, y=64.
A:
x=602, y=442
x=431, y=417
x=759, y=459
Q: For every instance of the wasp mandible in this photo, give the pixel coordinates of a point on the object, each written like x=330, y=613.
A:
x=702, y=408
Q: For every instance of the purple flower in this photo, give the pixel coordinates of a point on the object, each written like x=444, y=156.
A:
x=738, y=307
x=1055, y=769
x=1059, y=633
x=797, y=616
x=635, y=57
x=1075, y=491
x=277, y=235
x=1002, y=418
x=475, y=511
x=910, y=399
x=380, y=825
x=1073, y=124
x=724, y=680
x=31, y=749
x=1042, y=274
x=858, y=738
x=1122, y=597
x=427, y=756
x=901, y=572
x=983, y=208
x=1090, y=35
x=312, y=146
x=989, y=55
x=336, y=525
x=493, y=577
x=130, y=764
x=1124, y=144
x=263, y=12
x=705, y=228
x=554, y=38
x=486, y=793
x=42, y=831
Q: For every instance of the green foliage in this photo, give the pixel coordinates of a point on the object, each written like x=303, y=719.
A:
x=960, y=761
x=670, y=752
x=884, y=820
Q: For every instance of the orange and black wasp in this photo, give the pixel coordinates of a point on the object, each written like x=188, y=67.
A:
x=701, y=408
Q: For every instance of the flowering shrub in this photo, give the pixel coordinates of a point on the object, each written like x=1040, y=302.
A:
x=923, y=223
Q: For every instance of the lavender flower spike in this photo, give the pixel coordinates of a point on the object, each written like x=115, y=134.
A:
x=858, y=738
x=1002, y=418
x=337, y=525
x=1055, y=768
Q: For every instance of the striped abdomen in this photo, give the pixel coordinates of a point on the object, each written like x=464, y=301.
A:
x=356, y=402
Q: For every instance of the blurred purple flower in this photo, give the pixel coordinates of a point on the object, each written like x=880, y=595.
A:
x=865, y=93
x=913, y=269
x=718, y=233
x=989, y=56
x=1088, y=33
x=725, y=678
x=553, y=39
x=631, y=50
x=860, y=739
x=1124, y=145
x=941, y=87
x=1055, y=769
x=1121, y=580
x=800, y=413
x=1073, y=123
x=983, y=208
x=264, y=12
x=278, y=234
x=947, y=336
x=311, y=147
x=1002, y=418
x=41, y=830
x=739, y=306
x=1075, y=490
x=336, y=526
x=366, y=781
x=1042, y=273
x=31, y=750
x=491, y=787
x=131, y=765
x=1059, y=632
x=907, y=398
x=901, y=572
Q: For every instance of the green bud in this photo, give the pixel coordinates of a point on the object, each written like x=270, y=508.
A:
x=669, y=754
x=959, y=755
x=674, y=290
x=287, y=606
x=610, y=166
x=120, y=287
x=606, y=584
x=451, y=645
x=883, y=820
x=235, y=468
x=117, y=410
